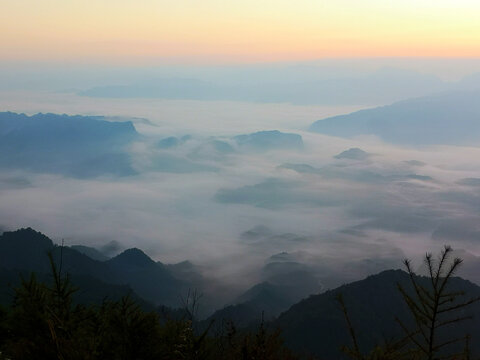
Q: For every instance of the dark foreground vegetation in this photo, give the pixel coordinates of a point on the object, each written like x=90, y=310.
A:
x=430, y=318
x=44, y=323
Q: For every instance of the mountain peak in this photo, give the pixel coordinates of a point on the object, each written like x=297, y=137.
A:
x=270, y=140
x=353, y=154
x=133, y=257
x=27, y=237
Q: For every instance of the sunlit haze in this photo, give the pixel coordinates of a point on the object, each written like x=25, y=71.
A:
x=213, y=31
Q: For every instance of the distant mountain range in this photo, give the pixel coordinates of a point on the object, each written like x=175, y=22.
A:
x=93, y=146
x=451, y=118
x=80, y=146
x=270, y=140
x=384, y=85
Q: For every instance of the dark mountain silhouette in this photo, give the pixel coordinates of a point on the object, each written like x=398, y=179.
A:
x=189, y=273
x=80, y=146
x=285, y=283
x=317, y=325
x=132, y=258
x=243, y=316
x=265, y=300
x=448, y=118
x=213, y=294
x=150, y=279
x=270, y=298
x=25, y=251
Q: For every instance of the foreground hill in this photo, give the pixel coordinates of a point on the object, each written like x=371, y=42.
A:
x=450, y=118
x=25, y=250
x=81, y=146
x=317, y=325
x=313, y=326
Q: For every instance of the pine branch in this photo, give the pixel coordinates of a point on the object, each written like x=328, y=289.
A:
x=412, y=304
x=456, y=263
x=411, y=336
x=428, y=260
x=451, y=321
x=356, y=349
x=458, y=306
x=451, y=356
x=438, y=272
x=427, y=294
x=423, y=301
x=453, y=341
x=453, y=294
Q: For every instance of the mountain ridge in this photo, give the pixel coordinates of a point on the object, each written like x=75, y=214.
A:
x=79, y=146
x=449, y=118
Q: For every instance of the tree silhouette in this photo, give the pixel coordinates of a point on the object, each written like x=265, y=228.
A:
x=433, y=306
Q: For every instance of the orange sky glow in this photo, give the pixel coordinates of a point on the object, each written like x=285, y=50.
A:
x=215, y=31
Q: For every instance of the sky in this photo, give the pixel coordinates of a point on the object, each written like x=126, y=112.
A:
x=218, y=31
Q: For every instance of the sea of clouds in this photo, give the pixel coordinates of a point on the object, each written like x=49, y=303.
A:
x=232, y=210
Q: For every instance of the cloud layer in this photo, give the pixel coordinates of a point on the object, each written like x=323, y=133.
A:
x=235, y=210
